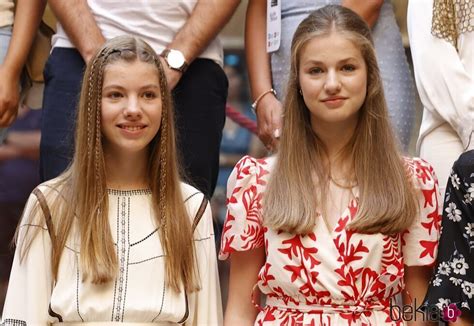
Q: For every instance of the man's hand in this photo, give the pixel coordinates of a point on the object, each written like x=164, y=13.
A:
x=9, y=96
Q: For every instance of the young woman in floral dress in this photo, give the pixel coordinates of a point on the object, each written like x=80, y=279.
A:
x=338, y=223
x=453, y=279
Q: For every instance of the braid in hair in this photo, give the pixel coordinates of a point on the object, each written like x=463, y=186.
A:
x=163, y=150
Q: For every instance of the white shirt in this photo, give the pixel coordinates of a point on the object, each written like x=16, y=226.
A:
x=6, y=12
x=444, y=77
x=155, y=21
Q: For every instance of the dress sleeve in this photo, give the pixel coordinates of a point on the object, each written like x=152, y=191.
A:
x=453, y=278
x=243, y=228
x=205, y=304
x=444, y=85
x=420, y=241
x=30, y=285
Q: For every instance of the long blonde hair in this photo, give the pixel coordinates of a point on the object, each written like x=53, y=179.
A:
x=82, y=187
x=386, y=198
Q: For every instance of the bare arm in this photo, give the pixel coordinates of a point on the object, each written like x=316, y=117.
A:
x=269, y=109
x=27, y=17
x=205, y=22
x=244, y=267
x=369, y=10
x=79, y=23
x=416, y=283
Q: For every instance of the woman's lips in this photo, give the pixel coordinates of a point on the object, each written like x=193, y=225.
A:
x=334, y=102
x=132, y=130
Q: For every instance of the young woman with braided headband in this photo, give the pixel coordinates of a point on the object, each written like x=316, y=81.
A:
x=117, y=237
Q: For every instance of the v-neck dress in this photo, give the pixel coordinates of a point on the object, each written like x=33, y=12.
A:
x=323, y=278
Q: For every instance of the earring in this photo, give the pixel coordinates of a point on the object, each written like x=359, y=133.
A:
x=301, y=92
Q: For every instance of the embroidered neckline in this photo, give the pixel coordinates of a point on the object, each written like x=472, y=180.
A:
x=132, y=192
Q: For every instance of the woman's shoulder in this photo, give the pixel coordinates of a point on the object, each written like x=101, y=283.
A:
x=465, y=161
x=190, y=193
x=251, y=164
x=421, y=172
x=52, y=187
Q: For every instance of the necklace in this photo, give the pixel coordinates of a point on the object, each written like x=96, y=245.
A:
x=346, y=193
x=336, y=183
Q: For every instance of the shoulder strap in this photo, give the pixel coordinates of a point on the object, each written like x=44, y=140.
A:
x=200, y=212
x=46, y=212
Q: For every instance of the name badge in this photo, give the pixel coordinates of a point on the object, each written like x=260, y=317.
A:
x=273, y=25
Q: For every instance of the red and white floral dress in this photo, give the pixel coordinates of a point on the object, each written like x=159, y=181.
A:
x=328, y=278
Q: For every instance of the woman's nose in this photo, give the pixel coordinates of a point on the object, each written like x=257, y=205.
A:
x=333, y=83
x=132, y=108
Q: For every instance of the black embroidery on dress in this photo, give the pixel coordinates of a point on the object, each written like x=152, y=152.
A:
x=13, y=322
x=123, y=250
x=162, y=301
x=196, y=193
x=127, y=193
x=128, y=259
x=116, y=245
x=145, y=260
x=139, y=241
x=207, y=238
x=77, y=288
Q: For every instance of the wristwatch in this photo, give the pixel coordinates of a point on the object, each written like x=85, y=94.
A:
x=175, y=59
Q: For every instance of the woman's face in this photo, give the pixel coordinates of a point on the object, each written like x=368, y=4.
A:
x=131, y=106
x=333, y=79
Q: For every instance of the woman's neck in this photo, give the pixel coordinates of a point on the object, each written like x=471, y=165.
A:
x=126, y=172
x=335, y=139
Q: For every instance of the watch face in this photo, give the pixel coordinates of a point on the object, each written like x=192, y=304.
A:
x=175, y=59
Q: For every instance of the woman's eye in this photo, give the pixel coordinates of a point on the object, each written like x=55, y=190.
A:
x=315, y=70
x=114, y=95
x=348, y=68
x=149, y=95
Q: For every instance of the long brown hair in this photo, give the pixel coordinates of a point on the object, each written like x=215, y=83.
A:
x=82, y=187
x=386, y=198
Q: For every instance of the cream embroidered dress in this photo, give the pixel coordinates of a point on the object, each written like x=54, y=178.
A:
x=138, y=294
x=328, y=278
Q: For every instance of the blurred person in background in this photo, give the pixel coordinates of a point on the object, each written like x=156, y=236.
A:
x=442, y=46
x=15, y=44
x=19, y=149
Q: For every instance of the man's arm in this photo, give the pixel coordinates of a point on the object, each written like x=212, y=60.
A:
x=205, y=22
x=80, y=26
x=27, y=18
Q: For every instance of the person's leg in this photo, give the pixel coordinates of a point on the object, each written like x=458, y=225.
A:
x=441, y=147
x=63, y=75
x=200, y=99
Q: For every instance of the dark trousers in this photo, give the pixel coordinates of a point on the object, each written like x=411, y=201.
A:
x=199, y=100
x=10, y=214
